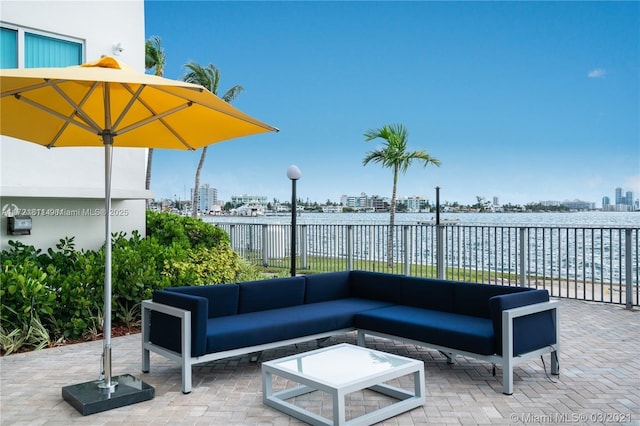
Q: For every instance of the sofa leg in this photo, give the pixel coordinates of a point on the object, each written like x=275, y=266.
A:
x=322, y=341
x=360, y=338
x=146, y=360
x=186, y=378
x=555, y=363
x=450, y=357
x=255, y=357
x=146, y=330
x=507, y=379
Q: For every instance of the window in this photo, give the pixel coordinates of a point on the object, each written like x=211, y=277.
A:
x=25, y=48
x=8, y=48
x=43, y=51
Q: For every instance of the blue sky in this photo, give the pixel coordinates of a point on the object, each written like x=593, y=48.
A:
x=526, y=101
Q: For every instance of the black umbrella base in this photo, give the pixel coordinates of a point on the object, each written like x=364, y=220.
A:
x=88, y=398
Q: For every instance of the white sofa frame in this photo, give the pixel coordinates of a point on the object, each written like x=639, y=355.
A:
x=185, y=359
x=507, y=360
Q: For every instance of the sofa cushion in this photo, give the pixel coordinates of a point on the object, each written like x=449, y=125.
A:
x=267, y=326
x=473, y=299
x=428, y=293
x=325, y=287
x=376, y=286
x=166, y=329
x=455, y=331
x=530, y=332
x=223, y=298
x=271, y=294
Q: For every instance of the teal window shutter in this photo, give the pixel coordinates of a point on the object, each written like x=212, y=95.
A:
x=42, y=51
x=8, y=48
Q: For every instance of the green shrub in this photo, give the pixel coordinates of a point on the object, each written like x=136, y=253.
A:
x=24, y=292
x=204, y=266
x=185, y=231
x=65, y=287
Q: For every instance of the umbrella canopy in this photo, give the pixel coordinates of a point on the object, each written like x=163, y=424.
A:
x=106, y=103
x=78, y=105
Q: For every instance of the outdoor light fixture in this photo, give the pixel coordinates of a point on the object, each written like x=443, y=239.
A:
x=293, y=173
x=118, y=49
x=19, y=225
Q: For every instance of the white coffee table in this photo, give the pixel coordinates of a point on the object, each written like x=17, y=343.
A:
x=338, y=371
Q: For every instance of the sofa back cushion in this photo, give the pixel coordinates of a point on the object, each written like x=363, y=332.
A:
x=326, y=287
x=473, y=299
x=428, y=293
x=166, y=330
x=530, y=332
x=376, y=286
x=271, y=294
x=223, y=298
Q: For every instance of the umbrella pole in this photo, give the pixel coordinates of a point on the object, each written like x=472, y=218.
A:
x=106, y=329
x=89, y=398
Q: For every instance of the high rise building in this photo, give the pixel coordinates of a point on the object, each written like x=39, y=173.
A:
x=619, y=196
x=207, y=197
x=239, y=200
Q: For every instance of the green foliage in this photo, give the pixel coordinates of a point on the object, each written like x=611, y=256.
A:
x=24, y=292
x=204, y=266
x=29, y=333
x=171, y=229
x=65, y=287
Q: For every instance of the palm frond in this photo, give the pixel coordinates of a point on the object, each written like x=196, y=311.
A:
x=154, y=56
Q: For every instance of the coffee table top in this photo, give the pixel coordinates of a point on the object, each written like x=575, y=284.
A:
x=341, y=364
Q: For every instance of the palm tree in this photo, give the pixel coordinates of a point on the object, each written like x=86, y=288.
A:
x=394, y=155
x=209, y=77
x=153, y=58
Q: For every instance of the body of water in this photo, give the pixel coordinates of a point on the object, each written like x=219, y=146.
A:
x=579, y=219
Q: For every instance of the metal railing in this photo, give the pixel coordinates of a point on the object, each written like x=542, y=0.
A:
x=588, y=263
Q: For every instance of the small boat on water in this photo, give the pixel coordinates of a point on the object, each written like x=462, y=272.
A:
x=443, y=221
x=249, y=209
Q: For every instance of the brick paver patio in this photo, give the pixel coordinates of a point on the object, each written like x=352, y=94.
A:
x=599, y=382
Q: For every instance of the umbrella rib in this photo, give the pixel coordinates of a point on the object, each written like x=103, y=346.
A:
x=157, y=117
x=79, y=111
x=161, y=119
x=66, y=123
x=135, y=96
x=231, y=114
x=56, y=113
x=25, y=89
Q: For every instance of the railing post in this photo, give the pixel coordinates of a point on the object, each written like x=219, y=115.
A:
x=440, y=251
x=303, y=247
x=265, y=246
x=350, y=247
x=232, y=228
x=523, y=257
x=628, y=272
x=407, y=245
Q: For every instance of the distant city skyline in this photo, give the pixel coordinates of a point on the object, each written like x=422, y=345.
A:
x=208, y=198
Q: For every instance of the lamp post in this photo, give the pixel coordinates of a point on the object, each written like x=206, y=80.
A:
x=293, y=173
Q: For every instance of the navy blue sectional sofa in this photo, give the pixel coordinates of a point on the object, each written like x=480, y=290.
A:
x=498, y=324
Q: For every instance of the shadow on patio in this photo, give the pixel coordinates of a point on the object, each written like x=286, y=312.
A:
x=599, y=382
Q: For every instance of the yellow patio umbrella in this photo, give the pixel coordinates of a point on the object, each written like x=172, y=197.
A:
x=106, y=103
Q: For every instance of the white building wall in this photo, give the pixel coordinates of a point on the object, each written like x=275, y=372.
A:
x=63, y=188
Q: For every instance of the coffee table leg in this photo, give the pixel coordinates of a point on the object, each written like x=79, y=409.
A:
x=267, y=385
x=338, y=408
